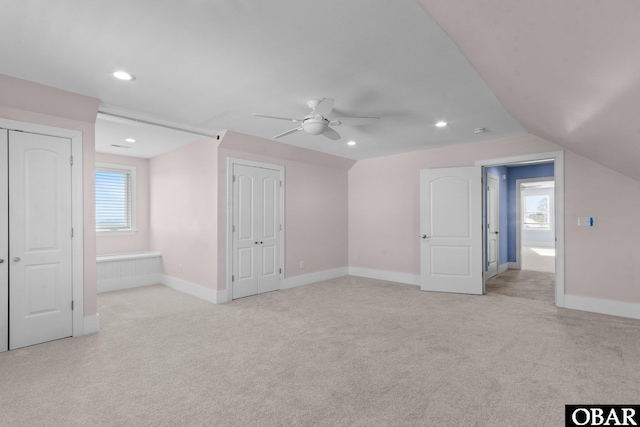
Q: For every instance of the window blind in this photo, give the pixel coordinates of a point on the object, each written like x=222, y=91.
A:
x=113, y=199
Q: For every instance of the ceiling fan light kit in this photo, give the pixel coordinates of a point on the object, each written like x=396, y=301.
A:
x=318, y=122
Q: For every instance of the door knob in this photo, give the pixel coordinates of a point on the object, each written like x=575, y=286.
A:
x=424, y=236
x=16, y=259
x=1, y=261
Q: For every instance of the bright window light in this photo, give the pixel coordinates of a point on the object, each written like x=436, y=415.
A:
x=441, y=124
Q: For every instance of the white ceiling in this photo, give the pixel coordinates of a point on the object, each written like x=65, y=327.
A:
x=207, y=66
x=150, y=140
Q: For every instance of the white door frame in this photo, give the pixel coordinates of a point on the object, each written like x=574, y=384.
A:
x=77, y=208
x=519, y=215
x=231, y=162
x=558, y=158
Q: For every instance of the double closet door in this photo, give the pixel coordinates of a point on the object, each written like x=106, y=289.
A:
x=257, y=228
x=36, y=288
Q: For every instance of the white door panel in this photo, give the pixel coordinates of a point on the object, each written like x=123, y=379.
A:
x=40, y=273
x=256, y=239
x=245, y=238
x=493, y=225
x=451, y=230
x=4, y=242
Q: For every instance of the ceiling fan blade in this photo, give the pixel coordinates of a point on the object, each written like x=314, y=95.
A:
x=331, y=134
x=277, y=118
x=324, y=107
x=354, y=121
x=287, y=132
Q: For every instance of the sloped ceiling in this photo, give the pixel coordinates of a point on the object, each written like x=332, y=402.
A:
x=207, y=65
x=568, y=71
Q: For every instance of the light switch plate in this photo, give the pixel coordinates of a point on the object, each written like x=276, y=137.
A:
x=586, y=221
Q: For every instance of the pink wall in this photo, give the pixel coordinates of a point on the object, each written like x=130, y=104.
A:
x=601, y=262
x=140, y=240
x=384, y=214
x=183, y=210
x=34, y=103
x=188, y=205
x=316, y=202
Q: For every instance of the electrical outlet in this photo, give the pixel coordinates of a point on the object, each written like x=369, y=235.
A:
x=301, y=265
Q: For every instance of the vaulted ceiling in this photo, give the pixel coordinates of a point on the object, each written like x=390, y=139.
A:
x=567, y=71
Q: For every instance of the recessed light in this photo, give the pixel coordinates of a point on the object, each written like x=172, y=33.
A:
x=441, y=124
x=351, y=143
x=130, y=140
x=123, y=75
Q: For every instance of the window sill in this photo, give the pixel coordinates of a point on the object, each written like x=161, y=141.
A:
x=105, y=233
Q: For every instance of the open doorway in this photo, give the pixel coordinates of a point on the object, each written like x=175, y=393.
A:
x=535, y=239
x=530, y=241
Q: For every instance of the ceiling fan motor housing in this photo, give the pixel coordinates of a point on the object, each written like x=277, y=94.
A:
x=314, y=125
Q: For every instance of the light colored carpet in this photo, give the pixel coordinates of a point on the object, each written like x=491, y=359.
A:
x=344, y=352
x=534, y=285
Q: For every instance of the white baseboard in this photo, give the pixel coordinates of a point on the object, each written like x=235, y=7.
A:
x=503, y=267
x=306, y=279
x=127, y=283
x=391, y=276
x=91, y=324
x=193, y=289
x=513, y=266
x=602, y=306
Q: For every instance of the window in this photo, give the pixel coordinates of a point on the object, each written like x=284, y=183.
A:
x=115, y=199
x=536, y=212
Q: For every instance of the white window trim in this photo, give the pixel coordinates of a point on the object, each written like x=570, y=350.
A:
x=132, y=171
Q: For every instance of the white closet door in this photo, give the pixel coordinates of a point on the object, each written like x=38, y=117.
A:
x=269, y=216
x=4, y=243
x=40, y=245
x=256, y=235
x=245, y=236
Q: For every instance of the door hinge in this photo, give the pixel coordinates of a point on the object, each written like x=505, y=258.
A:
x=280, y=227
x=280, y=183
x=234, y=178
x=280, y=271
x=233, y=228
x=71, y=305
x=72, y=233
x=233, y=278
x=71, y=160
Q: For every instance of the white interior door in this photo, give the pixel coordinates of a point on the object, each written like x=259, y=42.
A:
x=4, y=241
x=493, y=225
x=256, y=231
x=40, y=242
x=451, y=230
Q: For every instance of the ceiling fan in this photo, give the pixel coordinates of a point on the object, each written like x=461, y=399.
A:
x=318, y=122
